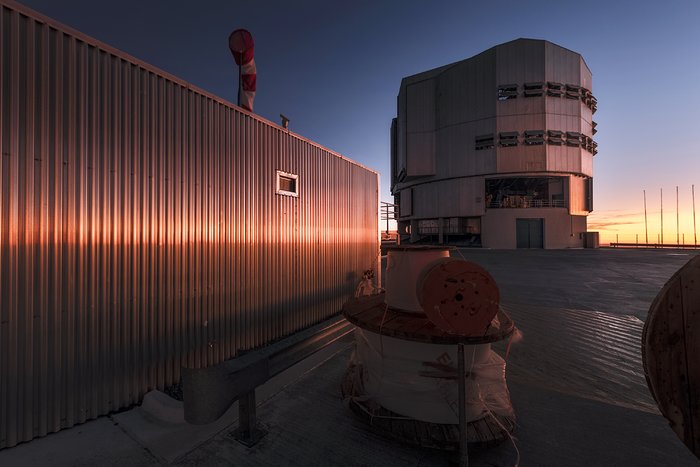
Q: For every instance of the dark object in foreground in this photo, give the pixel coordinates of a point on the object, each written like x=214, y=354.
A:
x=209, y=392
x=671, y=351
x=481, y=434
x=373, y=314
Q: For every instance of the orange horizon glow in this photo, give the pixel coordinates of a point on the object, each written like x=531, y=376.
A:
x=626, y=226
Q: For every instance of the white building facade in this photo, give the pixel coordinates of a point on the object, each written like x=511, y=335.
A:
x=497, y=150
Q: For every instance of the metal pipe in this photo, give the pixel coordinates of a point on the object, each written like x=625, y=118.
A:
x=462, y=392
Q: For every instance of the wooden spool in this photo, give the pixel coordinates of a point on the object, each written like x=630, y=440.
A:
x=373, y=314
x=460, y=297
x=671, y=353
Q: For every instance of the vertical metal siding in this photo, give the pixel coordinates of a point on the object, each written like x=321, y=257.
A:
x=140, y=230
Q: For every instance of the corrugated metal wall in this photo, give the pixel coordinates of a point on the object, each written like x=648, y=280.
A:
x=140, y=230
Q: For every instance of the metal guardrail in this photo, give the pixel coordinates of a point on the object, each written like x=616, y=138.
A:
x=669, y=246
x=526, y=204
x=209, y=392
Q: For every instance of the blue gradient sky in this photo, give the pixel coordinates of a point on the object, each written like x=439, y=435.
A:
x=334, y=69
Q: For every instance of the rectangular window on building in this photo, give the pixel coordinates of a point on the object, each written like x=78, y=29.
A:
x=507, y=91
x=534, y=137
x=525, y=192
x=508, y=138
x=533, y=89
x=593, y=127
x=555, y=89
x=287, y=184
x=483, y=142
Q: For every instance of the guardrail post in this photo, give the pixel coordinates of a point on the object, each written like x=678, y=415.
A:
x=248, y=432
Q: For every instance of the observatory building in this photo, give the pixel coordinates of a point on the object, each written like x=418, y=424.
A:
x=496, y=150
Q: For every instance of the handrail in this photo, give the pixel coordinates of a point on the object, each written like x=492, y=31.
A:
x=674, y=246
x=527, y=203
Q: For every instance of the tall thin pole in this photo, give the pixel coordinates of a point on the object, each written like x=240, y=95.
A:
x=662, y=216
x=387, y=219
x=240, y=77
x=695, y=234
x=678, y=235
x=462, y=393
x=646, y=229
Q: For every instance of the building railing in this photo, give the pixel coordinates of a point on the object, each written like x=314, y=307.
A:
x=673, y=246
x=525, y=202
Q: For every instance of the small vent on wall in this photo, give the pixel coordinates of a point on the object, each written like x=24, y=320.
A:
x=507, y=91
x=483, y=142
x=555, y=89
x=533, y=89
x=508, y=138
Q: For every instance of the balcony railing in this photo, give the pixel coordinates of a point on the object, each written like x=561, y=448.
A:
x=525, y=202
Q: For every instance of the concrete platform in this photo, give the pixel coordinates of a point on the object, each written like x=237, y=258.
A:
x=575, y=379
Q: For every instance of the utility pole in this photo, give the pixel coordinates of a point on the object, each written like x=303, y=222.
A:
x=695, y=234
x=646, y=229
x=678, y=235
x=662, y=216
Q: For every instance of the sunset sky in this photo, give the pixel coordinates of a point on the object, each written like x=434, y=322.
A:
x=334, y=69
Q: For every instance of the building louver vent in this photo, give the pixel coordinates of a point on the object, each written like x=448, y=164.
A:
x=507, y=91
x=483, y=142
x=555, y=137
x=508, y=138
x=533, y=89
x=555, y=89
x=592, y=147
x=534, y=137
x=573, y=138
x=593, y=103
x=572, y=91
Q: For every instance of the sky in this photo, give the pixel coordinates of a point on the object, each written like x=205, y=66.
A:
x=334, y=68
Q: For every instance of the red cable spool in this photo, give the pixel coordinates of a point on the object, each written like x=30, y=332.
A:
x=458, y=296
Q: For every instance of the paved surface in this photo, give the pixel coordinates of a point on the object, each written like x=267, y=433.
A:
x=575, y=380
x=611, y=280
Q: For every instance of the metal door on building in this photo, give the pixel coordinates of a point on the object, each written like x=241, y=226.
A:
x=529, y=233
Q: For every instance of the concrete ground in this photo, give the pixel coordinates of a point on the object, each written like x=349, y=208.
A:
x=576, y=383
x=612, y=280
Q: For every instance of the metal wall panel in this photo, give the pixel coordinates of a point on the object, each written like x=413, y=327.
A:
x=140, y=229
